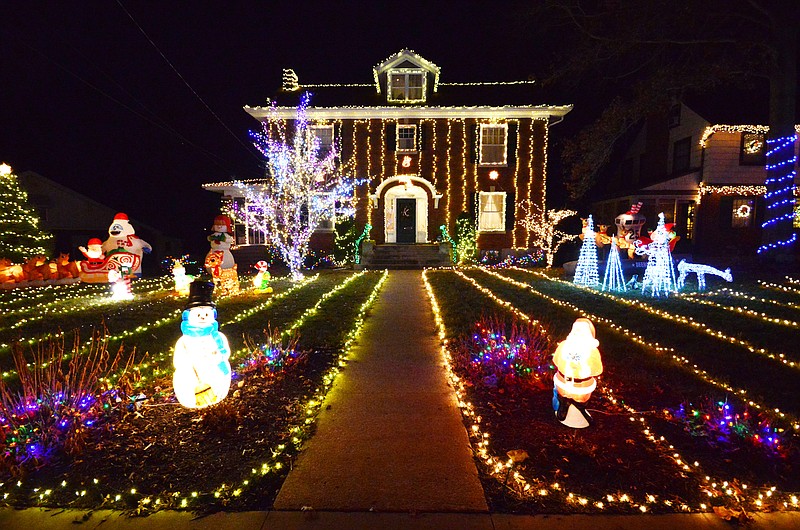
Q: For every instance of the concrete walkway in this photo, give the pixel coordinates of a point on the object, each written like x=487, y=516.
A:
x=390, y=436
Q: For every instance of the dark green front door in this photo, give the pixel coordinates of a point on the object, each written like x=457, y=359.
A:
x=406, y=220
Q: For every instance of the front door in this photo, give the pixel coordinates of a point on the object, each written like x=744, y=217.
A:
x=406, y=220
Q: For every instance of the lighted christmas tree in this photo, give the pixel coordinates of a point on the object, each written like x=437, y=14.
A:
x=302, y=188
x=20, y=236
x=586, y=270
x=614, y=279
x=659, y=276
x=466, y=246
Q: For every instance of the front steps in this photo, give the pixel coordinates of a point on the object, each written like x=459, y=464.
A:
x=417, y=256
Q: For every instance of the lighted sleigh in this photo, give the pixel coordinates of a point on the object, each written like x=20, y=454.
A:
x=97, y=272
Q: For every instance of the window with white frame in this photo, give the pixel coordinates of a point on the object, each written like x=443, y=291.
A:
x=323, y=134
x=406, y=85
x=492, y=211
x=742, y=213
x=493, y=144
x=406, y=137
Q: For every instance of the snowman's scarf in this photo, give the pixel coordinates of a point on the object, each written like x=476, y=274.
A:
x=201, y=331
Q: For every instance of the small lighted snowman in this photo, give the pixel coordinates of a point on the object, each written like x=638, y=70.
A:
x=182, y=280
x=578, y=363
x=202, y=374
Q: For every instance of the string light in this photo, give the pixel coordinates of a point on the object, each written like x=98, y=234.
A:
x=780, y=189
x=21, y=236
x=586, y=269
x=613, y=278
x=659, y=276
x=743, y=190
x=541, y=226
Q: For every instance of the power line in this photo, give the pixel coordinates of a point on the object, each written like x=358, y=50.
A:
x=153, y=44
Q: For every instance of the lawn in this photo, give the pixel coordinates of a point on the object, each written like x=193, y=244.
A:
x=142, y=455
x=695, y=409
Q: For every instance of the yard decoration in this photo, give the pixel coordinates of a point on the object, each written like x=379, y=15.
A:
x=684, y=269
x=93, y=251
x=262, y=277
x=124, y=246
x=219, y=260
x=613, y=278
x=21, y=236
x=182, y=280
x=202, y=374
x=659, y=276
x=120, y=285
x=629, y=227
x=586, y=270
x=577, y=361
x=65, y=269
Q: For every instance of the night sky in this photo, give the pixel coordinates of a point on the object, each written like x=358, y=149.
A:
x=88, y=100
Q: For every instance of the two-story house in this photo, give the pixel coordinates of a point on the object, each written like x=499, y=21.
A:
x=426, y=150
x=707, y=178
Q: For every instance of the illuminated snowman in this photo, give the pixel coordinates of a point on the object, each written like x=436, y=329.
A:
x=182, y=280
x=577, y=362
x=123, y=240
x=202, y=374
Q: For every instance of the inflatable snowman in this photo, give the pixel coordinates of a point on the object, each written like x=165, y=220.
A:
x=262, y=277
x=124, y=246
x=219, y=260
x=202, y=374
x=577, y=362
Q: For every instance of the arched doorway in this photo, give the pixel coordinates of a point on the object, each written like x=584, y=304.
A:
x=405, y=208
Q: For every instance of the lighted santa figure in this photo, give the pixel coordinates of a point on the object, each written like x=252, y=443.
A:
x=202, y=374
x=219, y=261
x=577, y=362
x=93, y=251
x=262, y=277
x=123, y=240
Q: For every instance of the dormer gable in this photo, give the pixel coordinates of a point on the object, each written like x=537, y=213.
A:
x=406, y=78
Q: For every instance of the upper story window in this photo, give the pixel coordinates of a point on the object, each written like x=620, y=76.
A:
x=753, y=150
x=682, y=155
x=324, y=135
x=406, y=85
x=406, y=137
x=492, y=211
x=493, y=144
x=742, y=213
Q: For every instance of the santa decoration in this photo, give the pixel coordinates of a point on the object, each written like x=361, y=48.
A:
x=202, y=374
x=124, y=246
x=577, y=361
x=262, y=277
x=93, y=252
x=219, y=260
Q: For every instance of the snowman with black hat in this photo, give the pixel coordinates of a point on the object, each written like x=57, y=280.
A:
x=202, y=368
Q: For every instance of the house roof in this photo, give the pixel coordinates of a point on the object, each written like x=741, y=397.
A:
x=406, y=58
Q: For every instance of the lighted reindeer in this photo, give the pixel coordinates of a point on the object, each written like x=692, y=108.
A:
x=684, y=269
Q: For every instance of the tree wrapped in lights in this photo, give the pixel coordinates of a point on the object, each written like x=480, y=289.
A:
x=541, y=225
x=586, y=270
x=659, y=276
x=778, y=227
x=614, y=279
x=301, y=189
x=21, y=236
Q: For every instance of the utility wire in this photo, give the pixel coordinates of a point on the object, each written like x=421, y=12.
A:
x=211, y=156
x=153, y=44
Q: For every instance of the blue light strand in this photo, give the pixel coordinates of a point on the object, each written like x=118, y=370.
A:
x=783, y=196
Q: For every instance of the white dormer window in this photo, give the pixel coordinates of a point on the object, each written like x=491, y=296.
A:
x=493, y=144
x=406, y=85
x=323, y=134
x=406, y=137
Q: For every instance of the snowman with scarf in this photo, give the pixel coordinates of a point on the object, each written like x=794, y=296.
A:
x=577, y=361
x=123, y=239
x=202, y=368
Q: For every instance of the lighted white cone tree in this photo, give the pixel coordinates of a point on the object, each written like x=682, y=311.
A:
x=659, y=276
x=586, y=270
x=614, y=279
x=302, y=188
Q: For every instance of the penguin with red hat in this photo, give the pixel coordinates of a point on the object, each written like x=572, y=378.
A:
x=123, y=241
x=262, y=277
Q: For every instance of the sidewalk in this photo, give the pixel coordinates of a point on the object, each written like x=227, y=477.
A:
x=390, y=436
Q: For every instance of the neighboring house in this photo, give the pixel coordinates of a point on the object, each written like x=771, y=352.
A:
x=427, y=150
x=707, y=178
x=73, y=219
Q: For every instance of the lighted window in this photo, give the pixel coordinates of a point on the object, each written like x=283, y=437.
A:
x=493, y=144
x=742, y=213
x=492, y=211
x=796, y=221
x=406, y=85
x=752, y=150
x=406, y=137
x=323, y=135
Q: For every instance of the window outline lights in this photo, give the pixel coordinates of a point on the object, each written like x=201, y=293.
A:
x=500, y=147
x=482, y=212
x=401, y=146
x=324, y=149
x=407, y=96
